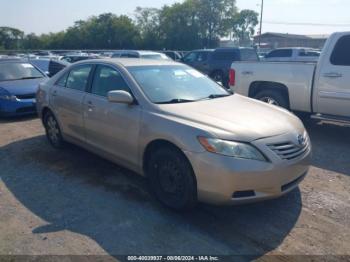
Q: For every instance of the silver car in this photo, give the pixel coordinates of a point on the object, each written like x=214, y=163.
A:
x=193, y=139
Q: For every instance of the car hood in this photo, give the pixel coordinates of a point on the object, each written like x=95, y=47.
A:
x=21, y=87
x=236, y=118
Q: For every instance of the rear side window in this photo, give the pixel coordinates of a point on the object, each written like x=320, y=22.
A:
x=226, y=55
x=202, y=56
x=309, y=53
x=249, y=55
x=191, y=57
x=341, y=52
x=107, y=79
x=280, y=53
x=78, y=77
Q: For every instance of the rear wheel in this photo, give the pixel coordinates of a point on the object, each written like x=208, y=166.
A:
x=172, y=178
x=272, y=97
x=53, y=131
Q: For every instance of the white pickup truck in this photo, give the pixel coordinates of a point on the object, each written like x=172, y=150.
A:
x=322, y=89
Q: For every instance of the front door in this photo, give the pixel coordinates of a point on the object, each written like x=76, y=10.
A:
x=333, y=90
x=111, y=127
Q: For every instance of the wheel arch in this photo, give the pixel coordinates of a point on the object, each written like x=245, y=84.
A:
x=159, y=143
x=258, y=86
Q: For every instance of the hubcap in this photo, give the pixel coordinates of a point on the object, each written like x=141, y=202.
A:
x=270, y=101
x=52, y=129
x=170, y=178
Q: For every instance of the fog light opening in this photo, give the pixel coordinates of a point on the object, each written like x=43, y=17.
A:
x=242, y=194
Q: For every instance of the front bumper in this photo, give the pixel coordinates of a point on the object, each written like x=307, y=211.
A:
x=228, y=180
x=18, y=107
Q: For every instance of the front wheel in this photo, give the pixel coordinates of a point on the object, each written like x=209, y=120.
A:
x=172, y=178
x=53, y=131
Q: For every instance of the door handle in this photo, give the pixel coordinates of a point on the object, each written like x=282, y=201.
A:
x=332, y=75
x=54, y=93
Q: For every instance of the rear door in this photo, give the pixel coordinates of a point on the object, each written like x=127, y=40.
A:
x=111, y=127
x=333, y=89
x=67, y=100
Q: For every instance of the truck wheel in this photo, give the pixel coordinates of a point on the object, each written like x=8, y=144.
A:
x=273, y=98
x=172, y=179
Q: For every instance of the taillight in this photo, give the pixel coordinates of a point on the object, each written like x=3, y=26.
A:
x=232, y=81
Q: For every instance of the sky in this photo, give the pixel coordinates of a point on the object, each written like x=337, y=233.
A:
x=283, y=16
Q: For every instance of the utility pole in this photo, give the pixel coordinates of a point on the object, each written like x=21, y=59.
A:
x=261, y=18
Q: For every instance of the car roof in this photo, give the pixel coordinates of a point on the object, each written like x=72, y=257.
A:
x=140, y=52
x=13, y=60
x=127, y=62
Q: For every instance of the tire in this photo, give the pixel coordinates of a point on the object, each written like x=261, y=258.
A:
x=53, y=131
x=272, y=97
x=218, y=76
x=172, y=179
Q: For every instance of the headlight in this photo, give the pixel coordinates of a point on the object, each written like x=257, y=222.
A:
x=4, y=94
x=230, y=148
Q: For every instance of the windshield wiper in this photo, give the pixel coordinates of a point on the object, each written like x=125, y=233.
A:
x=29, y=77
x=176, y=101
x=213, y=96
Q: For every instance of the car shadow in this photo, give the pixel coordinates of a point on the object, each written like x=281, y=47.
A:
x=75, y=190
x=331, y=146
x=15, y=119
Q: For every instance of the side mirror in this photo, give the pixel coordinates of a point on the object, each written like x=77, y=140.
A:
x=121, y=97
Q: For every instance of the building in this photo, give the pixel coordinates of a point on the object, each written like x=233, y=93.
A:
x=278, y=40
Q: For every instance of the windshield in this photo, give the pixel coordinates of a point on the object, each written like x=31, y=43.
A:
x=18, y=71
x=176, y=84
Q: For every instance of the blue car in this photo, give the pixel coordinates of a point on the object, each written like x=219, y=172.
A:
x=19, y=82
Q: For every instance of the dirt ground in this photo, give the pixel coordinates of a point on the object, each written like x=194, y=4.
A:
x=71, y=202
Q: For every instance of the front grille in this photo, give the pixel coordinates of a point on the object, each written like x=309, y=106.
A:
x=27, y=96
x=290, y=150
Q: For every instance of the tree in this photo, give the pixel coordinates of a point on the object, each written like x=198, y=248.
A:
x=11, y=38
x=244, y=26
x=148, y=24
x=214, y=18
x=179, y=27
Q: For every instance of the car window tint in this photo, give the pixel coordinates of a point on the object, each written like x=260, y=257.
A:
x=280, y=53
x=249, y=55
x=55, y=67
x=62, y=80
x=226, y=55
x=107, y=79
x=341, y=52
x=309, y=53
x=202, y=56
x=78, y=77
x=191, y=57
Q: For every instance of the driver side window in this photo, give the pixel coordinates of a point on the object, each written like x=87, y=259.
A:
x=107, y=79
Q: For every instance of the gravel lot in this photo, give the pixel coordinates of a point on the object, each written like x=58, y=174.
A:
x=71, y=202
